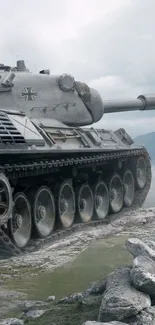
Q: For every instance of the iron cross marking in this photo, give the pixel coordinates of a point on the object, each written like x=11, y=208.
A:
x=28, y=93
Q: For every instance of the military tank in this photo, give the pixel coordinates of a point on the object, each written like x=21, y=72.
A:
x=57, y=174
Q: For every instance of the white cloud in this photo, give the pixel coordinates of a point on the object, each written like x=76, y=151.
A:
x=113, y=87
x=109, y=44
x=54, y=21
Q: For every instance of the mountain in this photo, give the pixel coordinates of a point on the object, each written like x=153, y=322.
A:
x=147, y=140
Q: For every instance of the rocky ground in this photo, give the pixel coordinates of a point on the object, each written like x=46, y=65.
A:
x=65, y=250
x=125, y=296
x=83, y=307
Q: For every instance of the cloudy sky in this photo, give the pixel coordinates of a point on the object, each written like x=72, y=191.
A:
x=110, y=44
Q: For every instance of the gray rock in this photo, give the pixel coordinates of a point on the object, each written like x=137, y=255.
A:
x=90, y=302
x=34, y=313
x=75, y=297
x=97, y=287
x=30, y=304
x=143, y=275
x=137, y=248
x=109, y=323
x=120, y=299
x=151, y=244
x=145, y=317
x=12, y=321
x=50, y=298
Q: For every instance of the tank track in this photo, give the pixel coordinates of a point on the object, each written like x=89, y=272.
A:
x=28, y=169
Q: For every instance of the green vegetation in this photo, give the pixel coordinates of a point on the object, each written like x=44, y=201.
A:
x=69, y=314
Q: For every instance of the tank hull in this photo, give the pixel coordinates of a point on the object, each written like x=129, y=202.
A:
x=55, y=179
x=55, y=175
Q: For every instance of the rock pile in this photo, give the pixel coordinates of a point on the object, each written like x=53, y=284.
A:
x=128, y=297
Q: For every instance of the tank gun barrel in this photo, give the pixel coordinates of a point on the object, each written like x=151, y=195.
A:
x=142, y=103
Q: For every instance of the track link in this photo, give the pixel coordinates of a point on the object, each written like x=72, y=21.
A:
x=6, y=241
x=20, y=170
x=46, y=166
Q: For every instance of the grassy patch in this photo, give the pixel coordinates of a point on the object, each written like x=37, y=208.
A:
x=69, y=314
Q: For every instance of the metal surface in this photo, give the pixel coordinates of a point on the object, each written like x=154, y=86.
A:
x=129, y=188
x=66, y=204
x=20, y=224
x=5, y=199
x=41, y=145
x=32, y=169
x=101, y=200
x=116, y=193
x=8, y=245
x=44, y=211
x=141, y=172
x=143, y=102
x=44, y=96
x=85, y=203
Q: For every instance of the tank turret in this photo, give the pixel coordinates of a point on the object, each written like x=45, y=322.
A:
x=45, y=96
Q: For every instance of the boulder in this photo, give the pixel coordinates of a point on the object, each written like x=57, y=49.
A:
x=120, y=299
x=145, y=317
x=96, y=288
x=75, y=297
x=27, y=305
x=50, y=298
x=137, y=248
x=143, y=275
x=150, y=243
x=34, y=313
x=12, y=321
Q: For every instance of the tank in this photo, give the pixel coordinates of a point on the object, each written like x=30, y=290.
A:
x=58, y=175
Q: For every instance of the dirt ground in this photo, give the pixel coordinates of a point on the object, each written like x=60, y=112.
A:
x=66, y=250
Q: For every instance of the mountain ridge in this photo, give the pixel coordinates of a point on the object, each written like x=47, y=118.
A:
x=148, y=141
